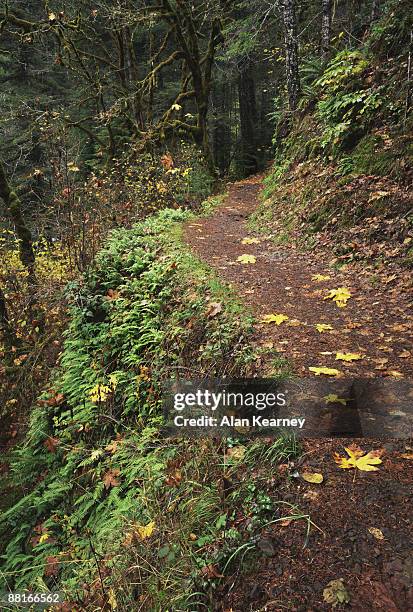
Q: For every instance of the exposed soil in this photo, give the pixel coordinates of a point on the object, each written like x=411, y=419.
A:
x=291, y=572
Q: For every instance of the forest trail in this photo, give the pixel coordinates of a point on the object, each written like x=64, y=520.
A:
x=373, y=325
x=359, y=543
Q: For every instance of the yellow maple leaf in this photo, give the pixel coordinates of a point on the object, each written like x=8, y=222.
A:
x=334, y=399
x=250, y=241
x=247, y=259
x=99, y=393
x=326, y=371
x=358, y=459
x=340, y=296
x=275, y=318
x=348, y=357
x=145, y=531
x=320, y=277
x=43, y=538
x=322, y=327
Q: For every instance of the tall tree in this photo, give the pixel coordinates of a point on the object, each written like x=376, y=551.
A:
x=327, y=6
x=291, y=52
x=221, y=131
x=186, y=22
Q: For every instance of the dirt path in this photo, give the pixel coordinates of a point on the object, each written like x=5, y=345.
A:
x=376, y=323
x=365, y=517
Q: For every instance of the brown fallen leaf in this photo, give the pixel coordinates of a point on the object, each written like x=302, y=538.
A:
x=167, y=161
x=336, y=593
x=52, y=566
x=174, y=479
x=214, y=309
x=210, y=571
x=50, y=444
x=112, y=294
x=110, y=478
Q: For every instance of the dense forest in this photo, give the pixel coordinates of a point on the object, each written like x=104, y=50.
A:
x=204, y=190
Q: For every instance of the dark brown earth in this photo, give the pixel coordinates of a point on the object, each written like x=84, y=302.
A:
x=292, y=571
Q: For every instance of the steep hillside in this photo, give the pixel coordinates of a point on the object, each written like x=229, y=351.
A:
x=342, y=178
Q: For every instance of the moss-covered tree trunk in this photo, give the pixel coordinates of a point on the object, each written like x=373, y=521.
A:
x=7, y=334
x=14, y=210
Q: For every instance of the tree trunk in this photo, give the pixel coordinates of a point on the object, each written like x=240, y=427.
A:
x=222, y=128
x=409, y=76
x=6, y=333
x=291, y=52
x=375, y=11
x=248, y=121
x=326, y=27
x=13, y=207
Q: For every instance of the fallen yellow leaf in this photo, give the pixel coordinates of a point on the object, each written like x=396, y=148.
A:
x=250, y=241
x=348, y=356
x=145, y=531
x=112, y=601
x=320, y=277
x=377, y=533
x=340, y=296
x=395, y=374
x=275, y=318
x=322, y=327
x=326, y=371
x=357, y=459
x=247, y=259
x=334, y=399
x=313, y=478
